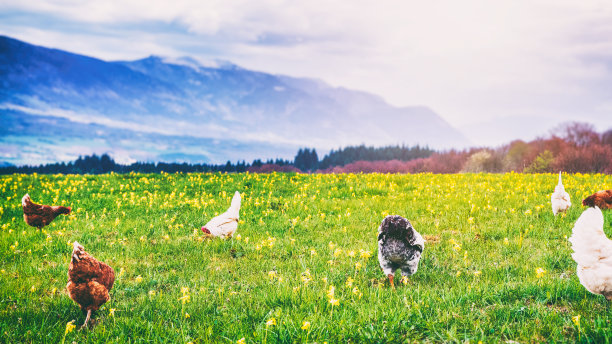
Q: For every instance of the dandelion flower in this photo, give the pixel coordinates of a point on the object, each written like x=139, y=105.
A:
x=187, y=316
x=477, y=273
x=540, y=272
x=151, y=292
x=33, y=289
x=271, y=322
x=357, y=292
x=184, y=299
x=70, y=326
x=576, y=320
x=272, y=274
x=358, y=266
x=305, y=325
x=349, y=282
x=404, y=280
x=365, y=254
x=334, y=302
x=331, y=291
x=138, y=279
x=241, y=341
x=506, y=241
x=184, y=290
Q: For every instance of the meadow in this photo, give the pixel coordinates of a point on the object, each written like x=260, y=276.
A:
x=303, y=266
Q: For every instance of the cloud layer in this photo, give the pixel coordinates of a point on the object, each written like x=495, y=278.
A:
x=472, y=61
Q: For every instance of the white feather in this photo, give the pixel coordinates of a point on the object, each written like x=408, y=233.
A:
x=593, y=253
x=560, y=200
x=226, y=224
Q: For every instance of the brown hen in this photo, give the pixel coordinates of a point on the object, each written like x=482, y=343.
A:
x=37, y=215
x=602, y=199
x=89, y=281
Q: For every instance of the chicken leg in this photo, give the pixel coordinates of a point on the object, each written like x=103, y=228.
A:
x=391, y=280
x=86, y=319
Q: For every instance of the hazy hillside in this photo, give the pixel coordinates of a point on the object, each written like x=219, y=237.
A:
x=57, y=105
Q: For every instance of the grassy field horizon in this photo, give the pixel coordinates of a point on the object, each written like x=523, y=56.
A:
x=303, y=265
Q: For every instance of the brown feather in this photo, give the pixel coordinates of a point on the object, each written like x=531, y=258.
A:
x=39, y=216
x=89, y=280
x=601, y=199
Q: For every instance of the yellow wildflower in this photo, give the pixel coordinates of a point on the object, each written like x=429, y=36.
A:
x=138, y=279
x=271, y=322
x=331, y=291
x=69, y=327
x=305, y=325
x=540, y=272
x=184, y=299
x=576, y=320
x=365, y=254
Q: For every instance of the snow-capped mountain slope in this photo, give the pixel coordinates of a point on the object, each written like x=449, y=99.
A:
x=143, y=103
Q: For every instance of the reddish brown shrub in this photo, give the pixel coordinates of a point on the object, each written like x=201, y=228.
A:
x=268, y=168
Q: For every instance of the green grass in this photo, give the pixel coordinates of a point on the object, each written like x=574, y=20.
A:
x=472, y=284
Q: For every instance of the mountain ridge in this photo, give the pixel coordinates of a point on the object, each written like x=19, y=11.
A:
x=182, y=97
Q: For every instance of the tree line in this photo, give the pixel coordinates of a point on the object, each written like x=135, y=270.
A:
x=571, y=147
x=306, y=160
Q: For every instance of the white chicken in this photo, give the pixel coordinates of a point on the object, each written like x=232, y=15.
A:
x=226, y=224
x=560, y=200
x=593, y=253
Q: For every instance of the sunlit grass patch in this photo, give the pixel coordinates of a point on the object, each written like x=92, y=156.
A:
x=496, y=264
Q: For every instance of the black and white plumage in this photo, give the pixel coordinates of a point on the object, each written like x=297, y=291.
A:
x=399, y=247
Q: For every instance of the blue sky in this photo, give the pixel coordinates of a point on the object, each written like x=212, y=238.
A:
x=496, y=70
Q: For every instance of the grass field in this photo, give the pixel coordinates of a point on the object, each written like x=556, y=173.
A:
x=299, y=235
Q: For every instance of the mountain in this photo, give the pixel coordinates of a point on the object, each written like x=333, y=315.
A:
x=58, y=105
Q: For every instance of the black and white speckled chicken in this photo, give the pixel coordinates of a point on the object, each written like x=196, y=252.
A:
x=399, y=247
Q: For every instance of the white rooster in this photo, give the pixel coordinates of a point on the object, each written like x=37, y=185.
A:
x=226, y=224
x=560, y=200
x=593, y=253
